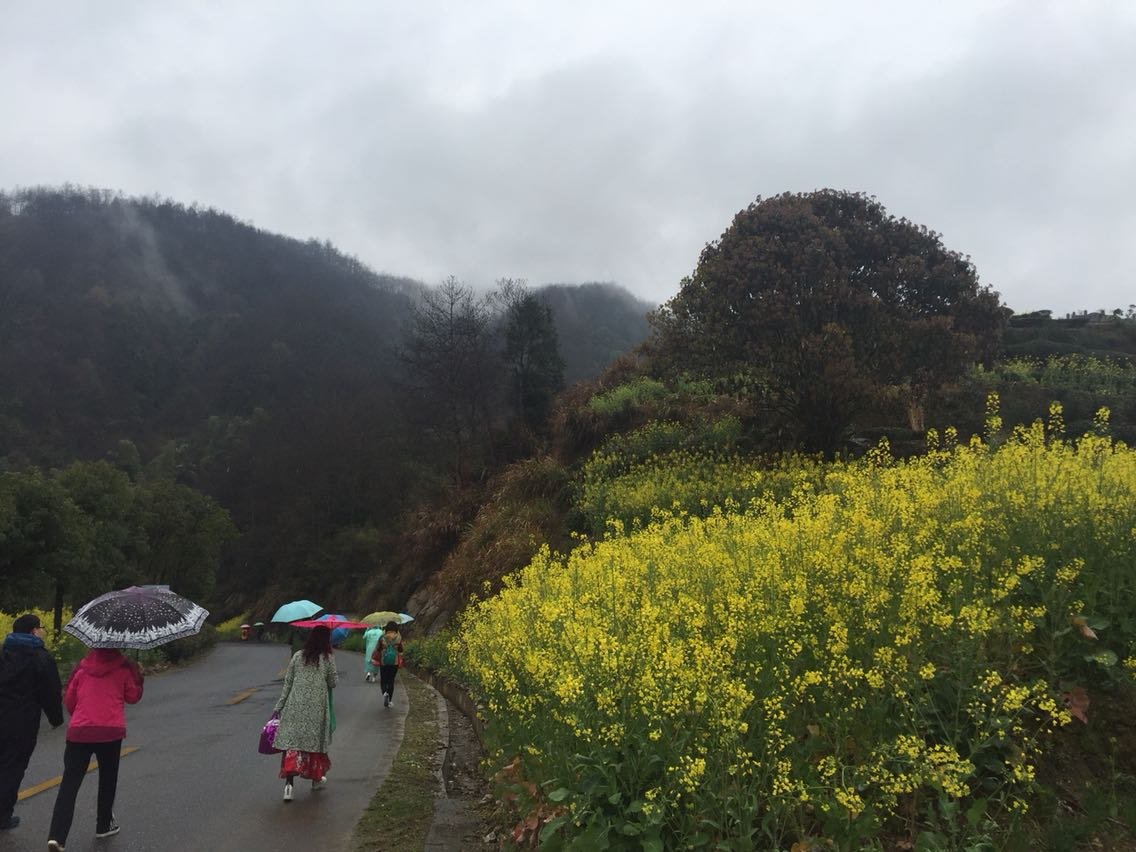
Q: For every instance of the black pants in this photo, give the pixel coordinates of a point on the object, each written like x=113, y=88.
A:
x=76, y=758
x=386, y=678
x=16, y=747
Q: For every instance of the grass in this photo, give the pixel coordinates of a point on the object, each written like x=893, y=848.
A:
x=400, y=814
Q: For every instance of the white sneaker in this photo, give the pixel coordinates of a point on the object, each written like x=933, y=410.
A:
x=386, y=699
x=367, y=677
x=287, y=792
x=54, y=846
x=321, y=784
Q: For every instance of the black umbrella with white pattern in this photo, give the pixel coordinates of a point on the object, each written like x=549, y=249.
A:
x=137, y=617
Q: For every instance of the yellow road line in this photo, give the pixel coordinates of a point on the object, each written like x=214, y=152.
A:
x=54, y=782
x=241, y=696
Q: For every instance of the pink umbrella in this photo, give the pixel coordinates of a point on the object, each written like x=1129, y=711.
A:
x=331, y=624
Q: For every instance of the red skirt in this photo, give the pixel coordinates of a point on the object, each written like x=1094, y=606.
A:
x=306, y=764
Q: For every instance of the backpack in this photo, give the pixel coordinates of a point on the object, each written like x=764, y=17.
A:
x=390, y=652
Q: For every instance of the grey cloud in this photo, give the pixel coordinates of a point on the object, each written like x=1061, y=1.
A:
x=602, y=142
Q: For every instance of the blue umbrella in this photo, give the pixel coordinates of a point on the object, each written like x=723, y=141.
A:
x=338, y=634
x=296, y=610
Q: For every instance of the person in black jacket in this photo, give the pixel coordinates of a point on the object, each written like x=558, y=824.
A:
x=29, y=683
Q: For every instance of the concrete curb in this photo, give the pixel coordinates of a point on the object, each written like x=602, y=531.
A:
x=453, y=819
x=442, y=771
x=457, y=695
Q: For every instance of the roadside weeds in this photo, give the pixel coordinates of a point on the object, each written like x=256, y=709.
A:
x=402, y=810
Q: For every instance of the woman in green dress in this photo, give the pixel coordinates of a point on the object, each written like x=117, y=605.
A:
x=304, y=733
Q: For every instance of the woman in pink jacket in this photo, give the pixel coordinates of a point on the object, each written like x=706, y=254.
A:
x=100, y=687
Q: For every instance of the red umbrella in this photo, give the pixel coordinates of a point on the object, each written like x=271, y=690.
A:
x=331, y=624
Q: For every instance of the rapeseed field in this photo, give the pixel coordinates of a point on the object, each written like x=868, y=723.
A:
x=861, y=650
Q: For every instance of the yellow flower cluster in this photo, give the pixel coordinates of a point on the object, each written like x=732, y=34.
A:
x=858, y=639
x=46, y=618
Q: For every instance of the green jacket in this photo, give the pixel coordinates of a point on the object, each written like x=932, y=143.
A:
x=370, y=640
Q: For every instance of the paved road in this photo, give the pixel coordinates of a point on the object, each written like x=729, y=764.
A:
x=196, y=781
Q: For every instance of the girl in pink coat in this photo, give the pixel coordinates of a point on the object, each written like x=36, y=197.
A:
x=101, y=686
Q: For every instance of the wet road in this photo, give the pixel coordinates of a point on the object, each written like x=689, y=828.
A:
x=195, y=780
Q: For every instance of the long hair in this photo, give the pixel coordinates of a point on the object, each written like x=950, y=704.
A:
x=318, y=645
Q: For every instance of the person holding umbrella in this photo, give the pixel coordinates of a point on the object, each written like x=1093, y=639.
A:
x=103, y=684
x=371, y=638
x=29, y=684
x=304, y=732
x=296, y=611
x=388, y=657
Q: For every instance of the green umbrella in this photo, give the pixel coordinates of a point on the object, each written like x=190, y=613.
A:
x=381, y=617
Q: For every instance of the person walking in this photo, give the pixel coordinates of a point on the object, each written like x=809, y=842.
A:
x=388, y=657
x=370, y=640
x=306, y=714
x=97, y=693
x=29, y=685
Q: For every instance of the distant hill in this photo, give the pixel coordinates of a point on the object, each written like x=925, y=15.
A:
x=596, y=324
x=262, y=370
x=138, y=318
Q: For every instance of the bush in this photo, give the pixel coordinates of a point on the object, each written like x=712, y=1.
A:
x=634, y=394
x=181, y=650
x=230, y=631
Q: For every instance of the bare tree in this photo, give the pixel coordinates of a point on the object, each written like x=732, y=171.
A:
x=449, y=354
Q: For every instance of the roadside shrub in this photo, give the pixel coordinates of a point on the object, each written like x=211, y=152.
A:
x=181, y=650
x=230, y=631
x=1109, y=376
x=630, y=395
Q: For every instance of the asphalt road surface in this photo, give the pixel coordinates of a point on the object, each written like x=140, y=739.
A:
x=195, y=781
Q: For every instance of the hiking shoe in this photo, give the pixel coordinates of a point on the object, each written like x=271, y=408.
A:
x=10, y=822
x=320, y=784
x=54, y=846
x=287, y=792
x=114, y=829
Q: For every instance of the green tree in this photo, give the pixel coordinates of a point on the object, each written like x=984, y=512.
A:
x=45, y=541
x=834, y=304
x=185, y=534
x=125, y=457
x=108, y=499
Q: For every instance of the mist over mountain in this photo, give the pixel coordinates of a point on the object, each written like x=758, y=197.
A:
x=265, y=371
x=138, y=318
x=596, y=323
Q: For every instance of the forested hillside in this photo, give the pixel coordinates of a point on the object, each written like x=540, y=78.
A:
x=307, y=395
x=128, y=318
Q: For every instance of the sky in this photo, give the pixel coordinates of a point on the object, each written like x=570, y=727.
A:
x=565, y=142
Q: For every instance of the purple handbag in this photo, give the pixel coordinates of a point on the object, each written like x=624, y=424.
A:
x=268, y=735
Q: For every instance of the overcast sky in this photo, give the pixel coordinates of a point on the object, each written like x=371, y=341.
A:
x=596, y=141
